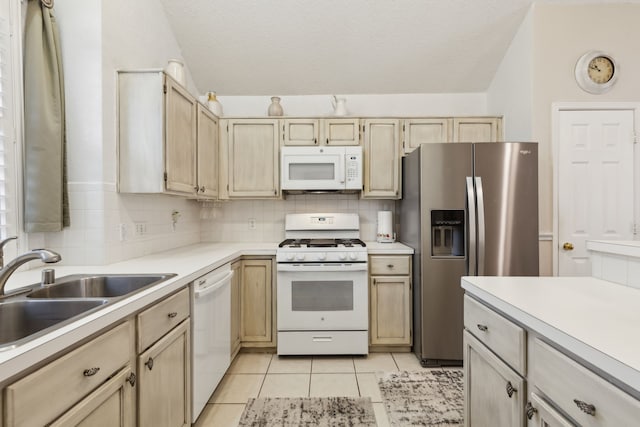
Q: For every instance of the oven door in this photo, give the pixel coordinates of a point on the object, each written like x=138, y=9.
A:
x=316, y=297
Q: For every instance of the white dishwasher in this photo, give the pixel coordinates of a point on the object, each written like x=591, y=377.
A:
x=210, y=334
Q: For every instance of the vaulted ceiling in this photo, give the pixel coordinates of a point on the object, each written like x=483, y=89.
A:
x=294, y=47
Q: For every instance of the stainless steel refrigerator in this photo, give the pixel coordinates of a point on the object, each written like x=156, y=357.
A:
x=467, y=209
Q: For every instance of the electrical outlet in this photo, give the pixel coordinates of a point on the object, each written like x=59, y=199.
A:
x=141, y=228
x=252, y=223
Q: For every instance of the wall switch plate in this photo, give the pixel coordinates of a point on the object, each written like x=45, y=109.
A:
x=252, y=223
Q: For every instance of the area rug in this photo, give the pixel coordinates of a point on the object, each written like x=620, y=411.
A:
x=423, y=398
x=309, y=411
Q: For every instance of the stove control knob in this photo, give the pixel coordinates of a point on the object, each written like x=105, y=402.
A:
x=353, y=256
x=300, y=257
x=322, y=256
x=342, y=256
x=289, y=257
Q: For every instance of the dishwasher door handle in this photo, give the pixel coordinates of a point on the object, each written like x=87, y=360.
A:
x=200, y=292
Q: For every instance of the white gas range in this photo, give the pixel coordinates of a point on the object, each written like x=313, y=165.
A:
x=322, y=291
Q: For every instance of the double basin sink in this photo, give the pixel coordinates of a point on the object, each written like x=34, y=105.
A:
x=28, y=314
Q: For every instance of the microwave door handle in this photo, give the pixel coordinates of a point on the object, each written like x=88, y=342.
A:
x=341, y=171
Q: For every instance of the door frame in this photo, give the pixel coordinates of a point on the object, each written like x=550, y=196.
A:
x=556, y=109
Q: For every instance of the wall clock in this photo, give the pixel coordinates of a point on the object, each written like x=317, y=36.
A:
x=596, y=72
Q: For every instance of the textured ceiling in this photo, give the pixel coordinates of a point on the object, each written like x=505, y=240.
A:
x=294, y=47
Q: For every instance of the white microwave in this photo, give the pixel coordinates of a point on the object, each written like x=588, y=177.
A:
x=321, y=168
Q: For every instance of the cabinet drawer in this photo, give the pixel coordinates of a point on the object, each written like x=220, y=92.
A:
x=504, y=337
x=389, y=265
x=572, y=387
x=156, y=321
x=42, y=396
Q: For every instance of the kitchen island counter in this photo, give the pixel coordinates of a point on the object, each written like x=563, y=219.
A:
x=592, y=320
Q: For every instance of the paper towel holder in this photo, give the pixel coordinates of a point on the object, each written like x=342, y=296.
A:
x=385, y=233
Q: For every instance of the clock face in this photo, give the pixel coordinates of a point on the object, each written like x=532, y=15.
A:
x=601, y=69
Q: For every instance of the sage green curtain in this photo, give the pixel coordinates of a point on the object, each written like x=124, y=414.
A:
x=46, y=205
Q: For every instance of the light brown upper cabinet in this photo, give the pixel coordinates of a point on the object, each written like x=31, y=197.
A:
x=427, y=130
x=156, y=135
x=207, y=154
x=326, y=131
x=251, y=147
x=382, y=159
x=477, y=129
x=341, y=131
x=301, y=132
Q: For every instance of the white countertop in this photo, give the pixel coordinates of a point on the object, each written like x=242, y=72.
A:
x=594, y=319
x=189, y=263
x=616, y=247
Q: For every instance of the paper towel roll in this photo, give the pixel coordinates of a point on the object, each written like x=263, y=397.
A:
x=385, y=227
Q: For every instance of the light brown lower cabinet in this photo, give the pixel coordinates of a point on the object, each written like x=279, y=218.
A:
x=236, y=282
x=111, y=405
x=257, y=303
x=164, y=388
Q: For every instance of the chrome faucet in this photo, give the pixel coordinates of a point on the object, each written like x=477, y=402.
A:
x=45, y=255
x=2, y=243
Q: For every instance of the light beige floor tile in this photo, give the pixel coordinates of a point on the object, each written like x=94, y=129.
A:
x=407, y=361
x=285, y=385
x=375, y=362
x=332, y=364
x=381, y=415
x=328, y=385
x=368, y=386
x=237, y=388
x=290, y=365
x=250, y=363
x=226, y=414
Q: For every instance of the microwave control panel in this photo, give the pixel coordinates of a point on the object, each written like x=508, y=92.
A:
x=353, y=168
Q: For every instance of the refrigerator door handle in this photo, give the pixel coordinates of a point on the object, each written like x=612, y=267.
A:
x=481, y=230
x=471, y=213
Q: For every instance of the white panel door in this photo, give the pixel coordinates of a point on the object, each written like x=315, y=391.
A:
x=595, y=184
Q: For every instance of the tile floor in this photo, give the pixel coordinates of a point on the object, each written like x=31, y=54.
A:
x=267, y=375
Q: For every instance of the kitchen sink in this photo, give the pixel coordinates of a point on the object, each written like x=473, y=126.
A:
x=24, y=318
x=98, y=286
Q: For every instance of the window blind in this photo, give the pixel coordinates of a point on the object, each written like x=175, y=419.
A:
x=7, y=126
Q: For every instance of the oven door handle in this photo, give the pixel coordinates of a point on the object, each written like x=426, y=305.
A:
x=360, y=266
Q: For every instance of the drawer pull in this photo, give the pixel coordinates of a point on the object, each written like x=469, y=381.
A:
x=585, y=407
x=172, y=314
x=530, y=410
x=131, y=379
x=90, y=372
x=510, y=389
x=483, y=328
x=389, y=265
x=149, y=363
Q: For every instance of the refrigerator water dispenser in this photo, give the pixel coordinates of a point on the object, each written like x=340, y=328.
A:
x=447, y=233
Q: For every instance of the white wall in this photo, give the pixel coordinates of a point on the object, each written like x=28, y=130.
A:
x=510, y=93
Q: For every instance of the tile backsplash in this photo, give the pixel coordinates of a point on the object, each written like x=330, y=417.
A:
x=263, y=220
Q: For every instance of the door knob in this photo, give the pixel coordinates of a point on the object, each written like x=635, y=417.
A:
x=567, y=246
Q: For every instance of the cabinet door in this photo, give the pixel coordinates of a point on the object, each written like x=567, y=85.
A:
x=541, y=414
x=381, y=159
x=236, y=281
x=477, y=129
x=256, y=306
x=390, y=310
x=207, y=154
x=164, y=387
x=421, y=131
x=342, y=131
x=300, y=132
x=180, y=134
x=493, y=393
x=253, y=158
x=112, y=404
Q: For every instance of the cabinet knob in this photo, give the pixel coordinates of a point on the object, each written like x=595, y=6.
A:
x=90, y=372
x=172, y=314
x=530, y=410
x=131, y=379
x=389, y=265
x=567, y=246
x=202, y=189
x=315, y=141
x=510, y=389
x=149, y=363
x=585, y=407
x=483, y=328
x=196, y=188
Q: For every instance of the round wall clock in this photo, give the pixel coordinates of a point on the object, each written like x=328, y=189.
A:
x=596, y=72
